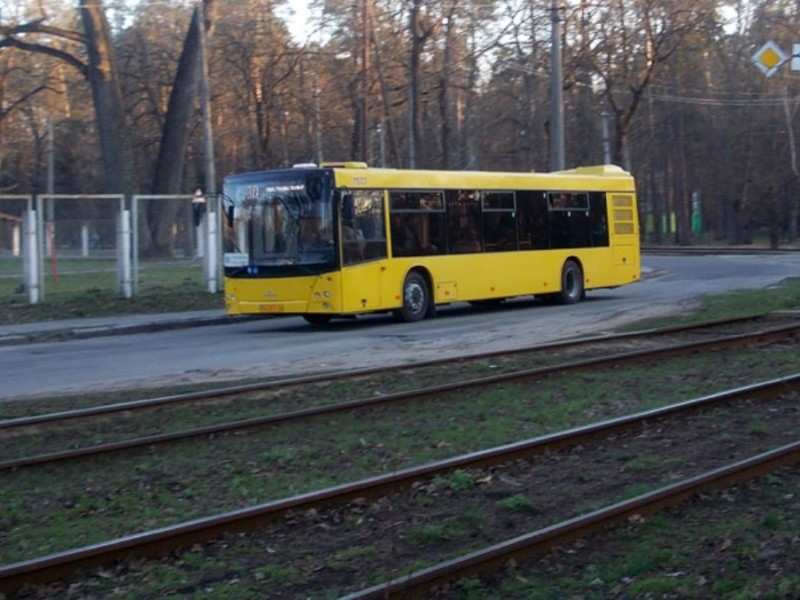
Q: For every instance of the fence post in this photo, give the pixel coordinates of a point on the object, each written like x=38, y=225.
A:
x=15, y=240
x=84, y=240
x=199, y=216
x=211, y=256
x=30, y=257
x=124, y=279
x=135, y=244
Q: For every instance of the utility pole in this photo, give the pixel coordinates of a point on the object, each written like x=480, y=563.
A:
x=317, y=121
x=211, y=263
x=606, y=138
x=556, y=93
x=205, y=99
x=365, y=5
x=50, y=209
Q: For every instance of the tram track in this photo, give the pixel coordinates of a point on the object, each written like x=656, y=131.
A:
x=602, y=356
x=536, y=543
x=779, y=396
x=529, y=352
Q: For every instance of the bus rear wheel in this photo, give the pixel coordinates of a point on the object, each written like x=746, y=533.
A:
x=571, y=283
x=416, y=299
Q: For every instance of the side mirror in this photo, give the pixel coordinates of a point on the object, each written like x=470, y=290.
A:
x=227, y=209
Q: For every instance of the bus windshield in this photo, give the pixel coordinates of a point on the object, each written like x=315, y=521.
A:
x=279, y=220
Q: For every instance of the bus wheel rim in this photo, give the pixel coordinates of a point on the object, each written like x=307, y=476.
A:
x=414, y=297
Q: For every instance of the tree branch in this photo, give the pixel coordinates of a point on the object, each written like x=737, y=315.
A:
x=38, y=26
x=47, y=50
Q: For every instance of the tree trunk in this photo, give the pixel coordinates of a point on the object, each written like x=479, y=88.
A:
x=413, y=86
x=181, y=111
x=112, y=124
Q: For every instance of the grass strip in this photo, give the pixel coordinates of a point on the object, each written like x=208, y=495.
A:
x=50, y=509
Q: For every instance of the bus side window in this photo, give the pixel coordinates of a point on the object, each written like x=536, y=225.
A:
x=532, y=220
x=406, y=240
x=500, y=231
x=464, y=221
x=417, y=222
x=598, y=219
x=363, y=235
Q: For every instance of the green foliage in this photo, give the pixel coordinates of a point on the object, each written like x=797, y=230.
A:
x=656, y=587
x=429, y=533
x=758, y=428
x=471, y=588
x=645, y=461
x=275, y=573
x=353, y=554
x=277, y=455
x=458, y=481
x=729, y=585
x=518, y=503
x=789, y=587
x=771, y=522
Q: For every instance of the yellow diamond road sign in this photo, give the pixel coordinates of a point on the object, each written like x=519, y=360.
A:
x=769, y=58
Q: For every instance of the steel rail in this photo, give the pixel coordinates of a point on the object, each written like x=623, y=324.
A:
x=538, y=542
x=739, y=340
x=354, y=373
x=48, y=568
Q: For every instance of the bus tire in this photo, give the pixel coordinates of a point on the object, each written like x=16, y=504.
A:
x=571, y=283
x=416, y=299
x=317, y=319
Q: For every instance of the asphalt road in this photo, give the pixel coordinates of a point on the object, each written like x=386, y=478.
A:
x=287, y=346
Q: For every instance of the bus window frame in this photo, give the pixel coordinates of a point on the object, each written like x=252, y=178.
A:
x=420, y=215
x=493, y=238
x=555, y=204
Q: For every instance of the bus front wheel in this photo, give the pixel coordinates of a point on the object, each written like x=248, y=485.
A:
x=571, y=283
x=416, y=299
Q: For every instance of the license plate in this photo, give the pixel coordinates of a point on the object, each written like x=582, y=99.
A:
x=270, y=308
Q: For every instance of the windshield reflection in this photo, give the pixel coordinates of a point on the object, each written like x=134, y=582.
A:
x=278, y=221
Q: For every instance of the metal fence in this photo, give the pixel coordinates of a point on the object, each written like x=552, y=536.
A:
x=106, y=242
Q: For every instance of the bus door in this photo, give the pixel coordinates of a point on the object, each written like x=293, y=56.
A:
x=364, y=249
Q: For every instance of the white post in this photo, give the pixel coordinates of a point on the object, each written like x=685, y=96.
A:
x=84, y=240
x=30, y=258
x=212, y=277
x=200, y=237
x=15, y=239
x=134, y=242
x=199, y=215
x=124, y=279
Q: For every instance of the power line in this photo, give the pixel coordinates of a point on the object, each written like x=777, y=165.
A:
x=769, y=101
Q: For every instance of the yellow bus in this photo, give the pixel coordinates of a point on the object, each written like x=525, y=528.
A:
x=343, y=239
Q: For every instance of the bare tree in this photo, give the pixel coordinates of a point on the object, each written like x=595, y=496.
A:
x=630, y=40
x=99, y=70
x=421, y=26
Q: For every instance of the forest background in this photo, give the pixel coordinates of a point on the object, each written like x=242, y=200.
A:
x=665, y=88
